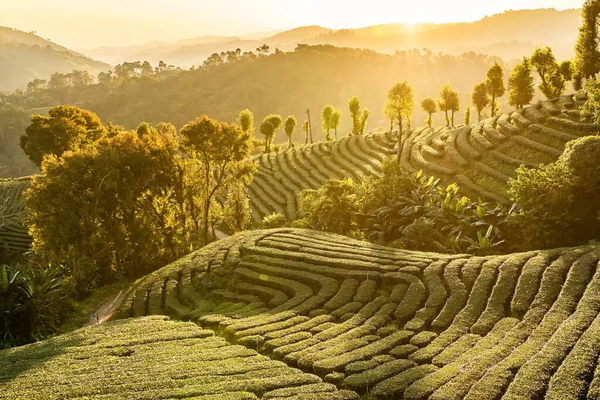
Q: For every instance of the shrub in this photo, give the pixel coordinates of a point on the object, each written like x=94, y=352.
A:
x=29, y=303
x=275, y=220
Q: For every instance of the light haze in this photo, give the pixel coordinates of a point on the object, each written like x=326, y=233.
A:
x=91, y=23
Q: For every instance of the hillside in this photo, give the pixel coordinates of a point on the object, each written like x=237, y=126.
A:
x=480, y=157
x=170, y=360
x=512, y=34
x=370, y=319
x=26, y=56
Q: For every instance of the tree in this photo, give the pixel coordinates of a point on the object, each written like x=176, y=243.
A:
x=221, y=150
x=122, y=218
x=448, y=101
x=468, y=115
x=400, y=103
x=354, y=107
x=552, y=80
x=290, y=127
x=587, y=54
x=236, y=211
x=363, y=121
x=269, y=127
x=495, y=85
x=520, y=85
x=326, y=114
x=65, y=128
x=305, y=128
x=430, y=107
x=335, y=120
x=309, y=125
x=480, y=98
x=246, y=121
x=453, y=105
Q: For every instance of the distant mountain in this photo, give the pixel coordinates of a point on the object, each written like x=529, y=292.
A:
x=26, y=56
x=510, y=35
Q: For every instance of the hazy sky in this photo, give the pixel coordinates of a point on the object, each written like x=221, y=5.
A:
x=91, y=23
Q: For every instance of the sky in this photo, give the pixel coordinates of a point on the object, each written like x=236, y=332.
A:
x=92, y=23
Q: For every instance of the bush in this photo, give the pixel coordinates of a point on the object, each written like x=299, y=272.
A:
x=29, y=304
x=275, y=220
x=559, y=203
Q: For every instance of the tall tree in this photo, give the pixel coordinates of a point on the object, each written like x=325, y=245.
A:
x=65, y=128
x=453, y=105
x=480, y=98
x=552, y=81
x=305, y=128
x=468, y=115
x=448, y=101
x=289, y=127
x=520, y=85
x=363, y=120
x=326, y=118
x=268, y=130
x=400, y=103
x=430, y=107
x=334, y=121
x=495, y=85
x=221, y=150
x=246, y=121
x=587, y=54
x=354, y=107
x=309, y=125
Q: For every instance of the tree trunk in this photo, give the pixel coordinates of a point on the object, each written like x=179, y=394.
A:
x=452, y=118
x=429, y=120
x=309, y=125
x=335, y=131
x=391, y=125
x=447, y=119
x=205, y=226
x=399, y=140
x=478, y=115
x=493, y=105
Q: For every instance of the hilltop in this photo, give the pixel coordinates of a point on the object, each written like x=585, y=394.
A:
x=373, y=321
x=512, y=34
x=26, y=56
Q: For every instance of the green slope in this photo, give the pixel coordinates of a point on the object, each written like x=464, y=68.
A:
x=395, y=324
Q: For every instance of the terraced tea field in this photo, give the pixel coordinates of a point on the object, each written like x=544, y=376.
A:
x=13, y=235
x=151, y=358
x=391, y=324
x=479, y=157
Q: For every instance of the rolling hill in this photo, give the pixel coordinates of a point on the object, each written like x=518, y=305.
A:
x=512, y=34
x=480, y=157
x=26, y=56
x=375, y=322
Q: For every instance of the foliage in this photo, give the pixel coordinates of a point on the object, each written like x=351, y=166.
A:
x=29, y=303
x=480, y=98
x=305, y=129
x=246, y=121
x=267, y=129
x=289, y=126
x=326, y=114
x=428, y=217
x=363, y=120
x=400, y=103
x=354, y=108
x=587, y=54
x=65, y=128
x=448, y=101
x=331, y=208
x=552, y=75
x=221, y=150
x=468, y=115
x=495, y=85
x=591, y=108
x=275, y=220
x=236, y=210
x=430, y=107
x=520, y=85
x=558, y=203
x=334, y=121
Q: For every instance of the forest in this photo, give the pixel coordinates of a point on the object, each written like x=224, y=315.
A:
x=326, y=222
